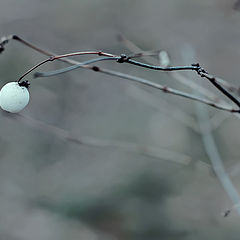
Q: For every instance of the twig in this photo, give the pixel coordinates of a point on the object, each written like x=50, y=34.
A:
x=73, y=67
x=57, y=57
x=120, y=59
x=169, y=90
x=199, y=70
x=155, y=152
x=134, y=48
x=162, y=88
x=212, y=79
x=169, y=109
x=118, y=74
x=214, y=156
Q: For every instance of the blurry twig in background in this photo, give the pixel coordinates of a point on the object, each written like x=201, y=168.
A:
x=236, y=5
x=214, y=156
x=211, y=148
x=217, y=119
x=208, y=140
x=124, y=58
x=168, y=108
x=155, y=152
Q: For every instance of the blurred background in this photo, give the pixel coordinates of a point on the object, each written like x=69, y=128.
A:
x=94, y=156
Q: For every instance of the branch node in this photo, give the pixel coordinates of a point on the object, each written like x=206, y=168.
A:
x=51, y=58
x=123, y=58
x=95, y=68
x=196, y=65
x=100, y=53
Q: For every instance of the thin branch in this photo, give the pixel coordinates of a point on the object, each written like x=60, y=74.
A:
x=199, y=70
x=195, y=67
x=164, y=88
x=218, y=118
x=121, y=75
x=134, y=48
x=159, y=68
x=121, y=59
x=73, y=67
x=155, y=152
x=163, y=106
x=170, y=90
x=214, y=156
x=53, y=58
x=175, y=75
x=212, y=79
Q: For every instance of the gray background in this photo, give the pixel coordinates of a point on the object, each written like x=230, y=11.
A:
x=55, y=188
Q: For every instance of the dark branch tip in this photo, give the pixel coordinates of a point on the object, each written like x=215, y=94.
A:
x=15, y=37
x=1, y=48
x=196, y=65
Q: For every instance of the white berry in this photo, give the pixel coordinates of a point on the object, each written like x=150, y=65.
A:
x=13, y=97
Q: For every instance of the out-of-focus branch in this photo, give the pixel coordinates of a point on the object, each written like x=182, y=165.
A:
x=208, y=140
x=214, y=156
x=236, y=5
x=155, y=152
x=165, y=107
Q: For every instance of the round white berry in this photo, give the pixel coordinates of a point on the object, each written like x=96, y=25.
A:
x=13, y=97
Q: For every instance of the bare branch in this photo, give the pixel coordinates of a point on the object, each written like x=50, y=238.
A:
x=122, y=58
x=134, y=48
x=214, y=156
x=150, y=151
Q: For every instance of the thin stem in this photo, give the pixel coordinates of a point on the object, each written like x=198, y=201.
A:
x=53, y=58
x=73, y=67
x=34, y=67
x=167, y=69
x=125, y=146
x=214, y=156
x=219, y=87
x=121, y=75
x=134, y=48
x=158, y=86
x=169, y=90
x=120, y=59
x=215, y=81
